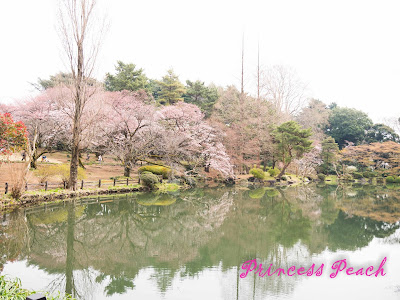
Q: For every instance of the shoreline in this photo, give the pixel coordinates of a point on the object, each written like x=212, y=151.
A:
x=43, y=197
x=39, y=198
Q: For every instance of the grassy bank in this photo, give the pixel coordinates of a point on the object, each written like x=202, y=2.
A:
x=41, y=196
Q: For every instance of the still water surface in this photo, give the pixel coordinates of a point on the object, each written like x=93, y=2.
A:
x=192, y=244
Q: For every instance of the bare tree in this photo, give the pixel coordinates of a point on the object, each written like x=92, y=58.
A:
x=81, y=34
x=393, y=122
x=282, y=87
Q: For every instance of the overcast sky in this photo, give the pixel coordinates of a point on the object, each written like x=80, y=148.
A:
x=346, y=51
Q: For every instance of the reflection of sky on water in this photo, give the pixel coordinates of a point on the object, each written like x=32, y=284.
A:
x=194, y=249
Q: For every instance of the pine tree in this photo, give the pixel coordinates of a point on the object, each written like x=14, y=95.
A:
x=127, y=77
x=172, y=89
x=292, y=143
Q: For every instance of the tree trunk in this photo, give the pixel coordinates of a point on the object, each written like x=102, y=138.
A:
x=69, y=264
x=283, y=171
x=73, y=173
x=127, y=170
x=79, y=102
x=33, y=162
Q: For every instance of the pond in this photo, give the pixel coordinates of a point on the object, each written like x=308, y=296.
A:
x=193, y=244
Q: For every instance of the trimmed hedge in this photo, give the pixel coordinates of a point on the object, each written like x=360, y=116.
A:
x=393, y=179
x=158, y=170
x=149, y=179
x=274, y=172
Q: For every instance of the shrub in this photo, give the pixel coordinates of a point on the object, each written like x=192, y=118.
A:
x=321, y=177
x=190, y=180
x=369, y=174
x=397, y=180
x=16, y=191
x=64, y=169
x=347, y=177
x=390, y=179
x=158, y=170
x=149, y=179
x=273, y=172
x=284, y=178
x=47, y=171
x=257, y=173
x=12, y=289
x=357, y=175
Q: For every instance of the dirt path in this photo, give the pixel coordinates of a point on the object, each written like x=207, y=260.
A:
x=10, y=172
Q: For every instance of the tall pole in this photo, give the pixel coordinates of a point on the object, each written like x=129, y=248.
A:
x=258, y=71
x=242, y=88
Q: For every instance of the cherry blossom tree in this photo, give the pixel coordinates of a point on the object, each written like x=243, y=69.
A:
x=309, y=162
x=248, y=124
x=129, y=133
x=93, y=116
x=44, y=123
x=137, y=131
x=186, y=135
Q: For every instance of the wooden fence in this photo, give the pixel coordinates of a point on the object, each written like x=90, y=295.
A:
x=81, y=184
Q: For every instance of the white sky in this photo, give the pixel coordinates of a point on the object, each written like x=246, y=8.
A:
x=347, y=51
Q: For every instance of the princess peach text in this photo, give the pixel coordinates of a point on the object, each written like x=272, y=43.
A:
x=340, y=266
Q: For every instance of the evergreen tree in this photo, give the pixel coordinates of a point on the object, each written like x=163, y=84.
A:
x=172, y=89
x=127, y=78
x=292, y=143
x=329, y=154
x=202, y=96
x=348, y=124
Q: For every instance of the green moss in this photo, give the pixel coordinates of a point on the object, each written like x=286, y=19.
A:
x=157, y=200
x=168, y=187
x=119, y=187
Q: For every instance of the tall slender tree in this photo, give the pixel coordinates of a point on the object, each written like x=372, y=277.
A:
x=81, y=34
